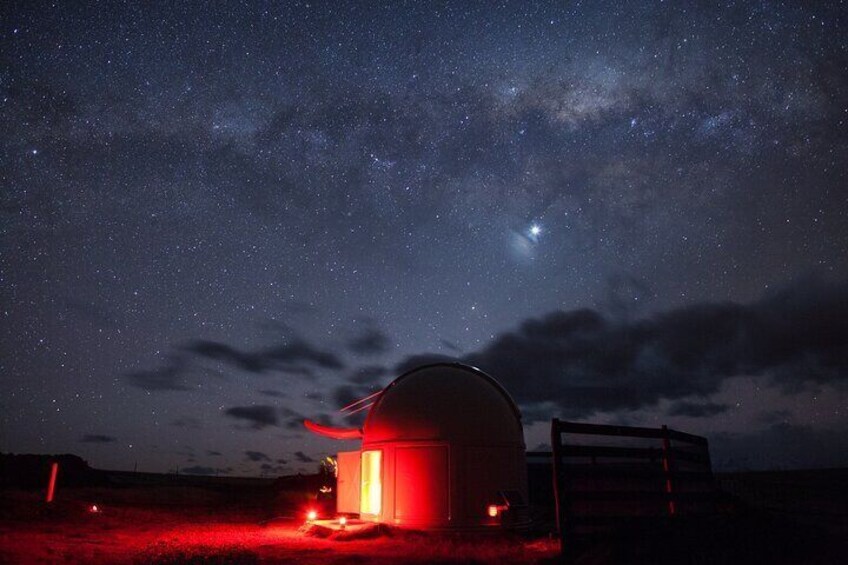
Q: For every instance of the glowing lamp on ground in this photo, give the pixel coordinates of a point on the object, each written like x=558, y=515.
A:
x=94, y=509
x=493, y=510
x=343, y=520
x=312, y=515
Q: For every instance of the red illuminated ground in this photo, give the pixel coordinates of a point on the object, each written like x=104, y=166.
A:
x=123, y=532
x=780, y=518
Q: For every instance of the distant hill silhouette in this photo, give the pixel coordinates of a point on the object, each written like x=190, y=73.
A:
x=29, y=471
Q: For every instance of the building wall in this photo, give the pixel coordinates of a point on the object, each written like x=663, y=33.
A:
x=438, y=485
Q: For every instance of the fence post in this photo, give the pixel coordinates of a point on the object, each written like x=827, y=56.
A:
x=713, y=487
x=556, y=452
x=668, y=468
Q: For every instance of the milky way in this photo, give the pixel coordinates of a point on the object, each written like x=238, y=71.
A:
x=219, y=220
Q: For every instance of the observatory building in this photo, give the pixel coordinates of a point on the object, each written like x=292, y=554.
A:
x=442, y=448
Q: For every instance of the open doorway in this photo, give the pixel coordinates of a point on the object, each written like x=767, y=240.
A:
x=372, y=485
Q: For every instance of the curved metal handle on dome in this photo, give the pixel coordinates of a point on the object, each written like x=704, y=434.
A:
x=335, y=433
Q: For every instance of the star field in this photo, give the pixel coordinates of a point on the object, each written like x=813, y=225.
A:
x=217, y=220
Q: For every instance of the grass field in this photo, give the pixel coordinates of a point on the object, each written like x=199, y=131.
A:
x=781, y=518
x=199, y=529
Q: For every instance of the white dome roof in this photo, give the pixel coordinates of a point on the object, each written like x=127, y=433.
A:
x=445, y=402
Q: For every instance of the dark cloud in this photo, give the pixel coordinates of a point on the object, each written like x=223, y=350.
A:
x=213, y=453
x=450, y=346
x=533, y=412
x=345, y=394
x=273, y=393
x=185, y=450
x=772, y=417
x=269, y=468
x=414, y=361
x=290, y=413
x=584, y=362
x=302, y=457
x=626, y=296
x=256, y=456
x=370, y=341
x=97, y=438
x=294, y=424
x=200, y=470
x=697, y=409
x=258, y=416
x=289, y=357
x=169, y=377
x=368, y=375
x=296, y=358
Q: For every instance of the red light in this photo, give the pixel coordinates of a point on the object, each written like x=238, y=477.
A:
x=311, y=515
x=51, y=486
x=493, y=510
x=342, y=520
x=94, y=508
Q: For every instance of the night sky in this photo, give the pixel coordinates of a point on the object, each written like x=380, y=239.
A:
x=218, y=220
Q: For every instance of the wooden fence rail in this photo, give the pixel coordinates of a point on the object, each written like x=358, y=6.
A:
x=598, y=487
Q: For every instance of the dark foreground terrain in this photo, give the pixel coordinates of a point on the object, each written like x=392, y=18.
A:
x=779, y=517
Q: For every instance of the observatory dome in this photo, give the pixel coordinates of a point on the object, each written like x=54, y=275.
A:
x=445, y=402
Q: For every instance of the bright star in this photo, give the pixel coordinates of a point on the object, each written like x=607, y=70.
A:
x=533, y=232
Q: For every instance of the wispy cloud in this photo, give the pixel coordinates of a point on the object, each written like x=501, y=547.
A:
x=257, y=456
x=294, y=357
x=370, y=341
x=258, y=417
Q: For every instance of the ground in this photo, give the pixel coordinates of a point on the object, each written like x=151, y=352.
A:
x=122, y=532
x=776, y=518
